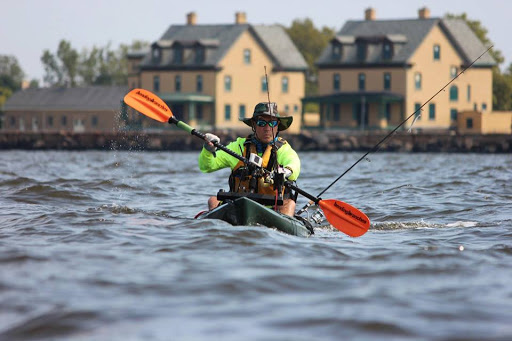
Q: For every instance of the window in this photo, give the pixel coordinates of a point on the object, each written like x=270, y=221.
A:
x=362, y=81
x=475, y=107
x=361, y=51
x=94, y=121
x=156, y=54
x=227, y=112
x=387, y=81
x=178, y=55
x=469, y=123
x=286, y=109
x=387, y=51
x=484, y=106
x=199, y=83
x=49, y=120
x=227, y=83
x=35, y=124
x=437, y=52
x=12, y=121
x=263, y=84
x=417, y=81
x=177, y=83
x=156, y=83
x=336, y=51
x=453, y=71
x=454, y=93
x=432, y=111
x=388, y=112
x=336, y=112
x=417, y=111
x=336, y=81
x=247, y=56
x=284, y=84
x=296, y=108
x=200, y=54
x=242, y=111
x=468, y=93
x=453, y=114
x=63, y=121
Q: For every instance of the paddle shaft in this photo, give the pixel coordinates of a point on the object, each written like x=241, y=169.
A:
x=186, y=127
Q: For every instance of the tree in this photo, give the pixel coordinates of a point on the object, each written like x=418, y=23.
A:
x=95, y=66
x=311, y=42
x=11, y=74
x=62, y=69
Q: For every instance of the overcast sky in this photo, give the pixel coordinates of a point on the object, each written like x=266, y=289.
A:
x=28, y=27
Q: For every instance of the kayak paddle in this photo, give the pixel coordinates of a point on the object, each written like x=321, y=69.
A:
x=342, y=216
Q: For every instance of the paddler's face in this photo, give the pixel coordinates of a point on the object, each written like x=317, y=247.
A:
x=263, y=130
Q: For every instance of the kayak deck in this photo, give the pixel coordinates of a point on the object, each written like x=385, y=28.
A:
x=244, y=211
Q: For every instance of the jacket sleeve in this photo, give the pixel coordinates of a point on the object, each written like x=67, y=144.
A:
x=288, y=158
x=210, y=163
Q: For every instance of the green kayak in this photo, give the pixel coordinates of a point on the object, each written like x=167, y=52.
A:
x=245, y=211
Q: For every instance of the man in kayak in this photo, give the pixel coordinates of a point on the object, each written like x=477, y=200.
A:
x=275, y=154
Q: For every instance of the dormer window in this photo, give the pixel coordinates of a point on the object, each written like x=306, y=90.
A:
x=200, y=54
x=361, y=51
x=336, y=51
x=387, y=51
x=178, y=54
x=156, y=54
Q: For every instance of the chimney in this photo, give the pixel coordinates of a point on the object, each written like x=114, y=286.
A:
x=424, y=13
x=369, y=14
x=240, y=18
x=191, y=18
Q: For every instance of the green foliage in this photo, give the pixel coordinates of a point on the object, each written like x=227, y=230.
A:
x=502, y=90
x=95, y=66
x=5, y=93
x=11, y=74
x=310, y=41
x=11, y=77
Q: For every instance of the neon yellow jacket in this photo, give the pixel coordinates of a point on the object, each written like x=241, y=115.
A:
x=286, y=157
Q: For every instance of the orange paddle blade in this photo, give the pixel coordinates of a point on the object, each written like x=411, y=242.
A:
x=149, y=104
x=345, y=217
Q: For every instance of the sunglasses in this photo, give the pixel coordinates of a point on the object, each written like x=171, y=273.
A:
x=262, y=123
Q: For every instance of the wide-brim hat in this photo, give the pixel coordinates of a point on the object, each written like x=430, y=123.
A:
x=262, y=109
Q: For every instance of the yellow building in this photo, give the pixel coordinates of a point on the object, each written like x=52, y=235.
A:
x=477, y=122
x=212, y=75
x=375, y=73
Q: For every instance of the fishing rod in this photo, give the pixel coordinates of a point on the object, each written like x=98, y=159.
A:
x=377, y=146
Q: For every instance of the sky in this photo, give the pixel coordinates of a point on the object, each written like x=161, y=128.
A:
x=28, y=27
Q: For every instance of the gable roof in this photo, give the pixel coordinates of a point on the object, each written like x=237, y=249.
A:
x=406, y=36
x=85, y=98
x=218, y=39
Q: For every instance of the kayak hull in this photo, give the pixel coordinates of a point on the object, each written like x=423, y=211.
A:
x=244, y=211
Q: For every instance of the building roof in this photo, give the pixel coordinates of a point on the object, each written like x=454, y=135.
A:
x=217, y=40
x=84, y=98
x=405, y=36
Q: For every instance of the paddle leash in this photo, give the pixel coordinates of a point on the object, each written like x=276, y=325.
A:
x=340, y=215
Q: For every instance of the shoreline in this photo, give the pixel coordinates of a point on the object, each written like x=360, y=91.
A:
x=306, y=141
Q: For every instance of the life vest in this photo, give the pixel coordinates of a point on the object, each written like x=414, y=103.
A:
x=244, y=179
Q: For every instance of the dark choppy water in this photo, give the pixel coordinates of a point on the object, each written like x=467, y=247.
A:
x=101, y=246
